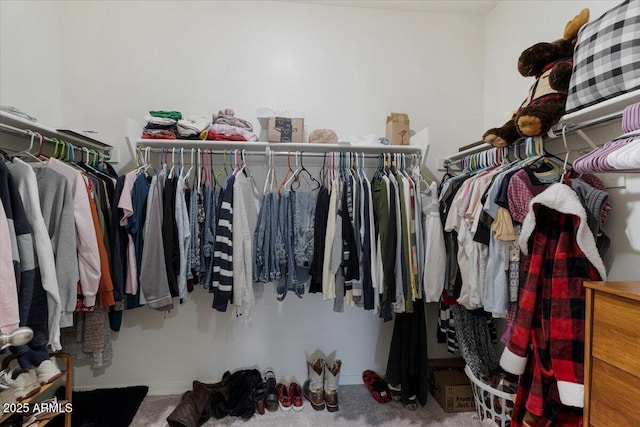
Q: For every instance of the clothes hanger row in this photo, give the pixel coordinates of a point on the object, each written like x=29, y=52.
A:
x=63, y=150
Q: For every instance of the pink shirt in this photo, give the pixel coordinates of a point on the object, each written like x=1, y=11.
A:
x=87, y=242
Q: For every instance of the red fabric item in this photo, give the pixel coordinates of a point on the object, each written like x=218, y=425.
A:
x=160, y=135
x=376, y=386
x=222, y=137
x=551, y=313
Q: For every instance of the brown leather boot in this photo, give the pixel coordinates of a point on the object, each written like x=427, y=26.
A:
x=331, y=380
x=195, y=407
x=313, y=387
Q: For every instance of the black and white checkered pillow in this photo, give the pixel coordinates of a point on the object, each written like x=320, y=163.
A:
x=606, y=60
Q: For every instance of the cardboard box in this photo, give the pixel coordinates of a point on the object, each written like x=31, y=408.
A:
x=398, y=129
x=283, y=129
x=281, y=125
x=450, y=386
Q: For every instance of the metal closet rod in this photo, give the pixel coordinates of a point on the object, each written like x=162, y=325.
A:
x=261, y=153
x=569, y=127
x=27, y=134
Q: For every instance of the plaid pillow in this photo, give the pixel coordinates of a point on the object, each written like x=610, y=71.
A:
x=606, y=60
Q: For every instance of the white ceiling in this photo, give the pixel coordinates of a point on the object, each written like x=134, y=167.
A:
x=464, y=7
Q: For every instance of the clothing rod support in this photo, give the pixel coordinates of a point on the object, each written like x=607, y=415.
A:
x=28, y=133
x=553, y=133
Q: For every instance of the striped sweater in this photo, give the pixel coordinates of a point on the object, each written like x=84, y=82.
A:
x=222, y=286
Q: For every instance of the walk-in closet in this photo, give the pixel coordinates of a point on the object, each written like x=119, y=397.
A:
x=319, y=213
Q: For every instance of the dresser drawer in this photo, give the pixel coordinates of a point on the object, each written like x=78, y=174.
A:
x=614, y=396
x=616, y=332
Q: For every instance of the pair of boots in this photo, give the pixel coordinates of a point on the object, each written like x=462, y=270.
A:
x=322, y=386
x=200, y=404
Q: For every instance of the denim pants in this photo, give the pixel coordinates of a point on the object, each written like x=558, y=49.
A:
x=265, y=265
x=294, y=277
x=208, y=235
x=304, y=207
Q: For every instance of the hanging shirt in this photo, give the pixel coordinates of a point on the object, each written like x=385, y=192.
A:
x=27, y=183
x=328, y=279
x=89, y=267
x=153, y=280
x=245, y=213
x=9, y=316
x=105, y=286
x=126, y=204
x=435, y=251
x=223, y=251
x=184, y=235
x=56, y=203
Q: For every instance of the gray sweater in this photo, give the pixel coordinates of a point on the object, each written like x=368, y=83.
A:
x=153, y=276
x=56, y=203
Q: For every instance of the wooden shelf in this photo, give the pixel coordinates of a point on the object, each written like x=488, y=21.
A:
x=67, y=375
x=188, y=144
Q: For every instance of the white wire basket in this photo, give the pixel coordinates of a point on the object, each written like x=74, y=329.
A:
x=493, y=406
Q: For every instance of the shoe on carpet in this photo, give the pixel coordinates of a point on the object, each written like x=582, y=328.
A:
x=23, y=382
x=411, y=404
x=396, y=392
x=376, y=386
x=313, y=388
x=284, y=397
x=271, y=398
x=48, y=371
x=331, y=380
x=295, y=391
x=260, y=394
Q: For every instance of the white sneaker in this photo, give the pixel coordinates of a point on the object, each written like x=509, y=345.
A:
x=48, y=371
x=23, y=383
x=7, y=396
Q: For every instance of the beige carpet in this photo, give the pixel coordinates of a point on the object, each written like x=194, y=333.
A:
x=357, y=408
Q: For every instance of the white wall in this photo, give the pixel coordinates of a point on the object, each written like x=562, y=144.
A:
x=505, y=89
x=30, y=67
x=346, y=67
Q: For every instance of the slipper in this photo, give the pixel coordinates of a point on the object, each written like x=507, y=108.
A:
x=376, y=386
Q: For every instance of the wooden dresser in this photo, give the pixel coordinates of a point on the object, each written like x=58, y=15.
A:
x=612, y=354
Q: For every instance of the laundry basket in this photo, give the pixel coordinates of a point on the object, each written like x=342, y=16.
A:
x=493, y=406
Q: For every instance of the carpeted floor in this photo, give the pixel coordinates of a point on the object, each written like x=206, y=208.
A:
x=357, y=408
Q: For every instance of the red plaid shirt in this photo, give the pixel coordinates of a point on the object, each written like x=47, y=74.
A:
x=550, y=317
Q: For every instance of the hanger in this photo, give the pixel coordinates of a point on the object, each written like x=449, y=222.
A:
x=222, y=170
x=173, y=162
x=28, y=152
x=316, y=183
x=188, y=173
x=40, y=153
x=294, y=175
x=566, y=157
x=287, y=175
x=198, y=180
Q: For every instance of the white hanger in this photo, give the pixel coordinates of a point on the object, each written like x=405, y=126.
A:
x=188, y=173
x=566, y=157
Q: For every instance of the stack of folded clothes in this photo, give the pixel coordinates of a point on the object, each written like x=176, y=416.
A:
x=161, y=125
x=193, y=127
x=227, y=127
